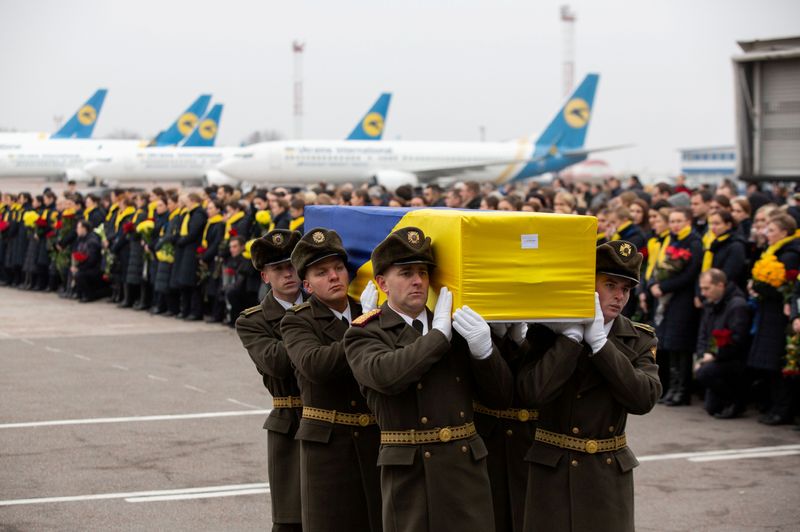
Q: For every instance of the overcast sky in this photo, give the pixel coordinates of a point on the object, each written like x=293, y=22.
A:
x=665, y=67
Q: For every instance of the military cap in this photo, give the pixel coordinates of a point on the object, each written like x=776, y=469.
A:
x=619, y=258
x=317, y=244
x=408, y=245
x=273, y=248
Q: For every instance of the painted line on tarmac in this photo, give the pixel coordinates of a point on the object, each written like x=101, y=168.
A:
x=725, y=454
x=156, y=378
x=194, y=388
x=235, y=488
x=52, y=349
x=123, y=368
x=234, y=401
x=82, y=357
x=25, y=341
x=208, y=495
x=132, y=419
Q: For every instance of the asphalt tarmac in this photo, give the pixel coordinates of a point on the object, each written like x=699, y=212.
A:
x=112, y=419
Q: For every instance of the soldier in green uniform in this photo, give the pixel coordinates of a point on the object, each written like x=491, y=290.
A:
x=339, y=484
x=259, y=330
x=585, y=379
x=420, y=379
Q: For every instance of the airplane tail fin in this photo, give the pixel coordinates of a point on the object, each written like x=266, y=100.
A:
x=206, y=131
x=183, y=126
x=567, y=131
x=372, y=125
x=81, y=124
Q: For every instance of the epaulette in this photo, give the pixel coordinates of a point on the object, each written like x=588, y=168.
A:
x=249, y=311
x=366, y=317
x=300, y=306
x=644, y=327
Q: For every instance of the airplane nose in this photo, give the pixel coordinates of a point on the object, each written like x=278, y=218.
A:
x=235, y=168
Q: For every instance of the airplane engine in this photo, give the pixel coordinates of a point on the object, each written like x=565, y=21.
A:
x=78, y=175
x=391, y=179
x=217, y=178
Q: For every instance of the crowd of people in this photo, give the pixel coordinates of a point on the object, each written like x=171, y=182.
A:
x=718, y=276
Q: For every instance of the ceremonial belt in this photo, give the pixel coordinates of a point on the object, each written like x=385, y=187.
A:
x=416, y=437
x=287, y=402
x=579, y=444
x=332, y=416
x=517, y=414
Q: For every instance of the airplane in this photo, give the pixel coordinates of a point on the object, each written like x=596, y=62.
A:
x=395, y=163
x=184, y=163
x=79, y=126
x=205, y=133
x=184, y=125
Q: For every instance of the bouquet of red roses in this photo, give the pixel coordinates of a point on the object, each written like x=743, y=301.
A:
x=4, y=225
x=128, y=227
x=675, y=260
x=720, y=338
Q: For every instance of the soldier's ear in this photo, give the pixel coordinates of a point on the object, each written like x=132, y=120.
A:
x=307, y=287
x=380, y=280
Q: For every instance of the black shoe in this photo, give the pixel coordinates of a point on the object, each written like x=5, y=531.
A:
x=679, y=400
x=169, y=314
x=212, y=319
x=180, y=316
x=729, y=412
x=774, y=419
x=193, y=317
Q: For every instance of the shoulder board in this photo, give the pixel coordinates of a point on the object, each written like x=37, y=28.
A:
x=300, y=306
x=250, y=311
x=644, y=327
x=366, y=317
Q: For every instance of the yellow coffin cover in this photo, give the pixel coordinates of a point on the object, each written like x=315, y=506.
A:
x=512, y=266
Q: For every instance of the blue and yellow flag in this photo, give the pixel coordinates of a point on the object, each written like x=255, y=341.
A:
x=507, y=266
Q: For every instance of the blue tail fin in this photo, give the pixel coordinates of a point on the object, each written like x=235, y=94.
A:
x=568, y=129
x=206, y=131
x=371, y=126
x=184, y=125
x=81, y=125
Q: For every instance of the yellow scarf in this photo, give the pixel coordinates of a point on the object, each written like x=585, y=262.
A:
x=620, y=229
x=662, y=254
x=88, y=211
x=217, y=218
x=708, y=255
x=121, y=215
x=773, y=249
x=653, y=250
x=151, y=209
x=708, y=238
x=232, y=220
x=297, y=222
x=111, y=211
x=185, y=222
x=172, y=215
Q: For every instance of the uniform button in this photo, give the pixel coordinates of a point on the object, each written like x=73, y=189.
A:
x=355, y=434
x=608, y=461
x=574, y=463
x=424, y=420
x=458, y=379
x=611, y=428
x=461, y=414
x=463, y=448
x=419, y=386
x=427, y=454
x=353, y=403
x=509, y=433
x=576, y=430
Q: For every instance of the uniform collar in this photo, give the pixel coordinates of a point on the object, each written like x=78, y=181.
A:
x=622, y=327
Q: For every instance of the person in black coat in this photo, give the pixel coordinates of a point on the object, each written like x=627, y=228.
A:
x=238, y=272
x=213, y=235
x=93, y=211
x=279, y=208
x=766, y=356
x=728, y=249
x=621, y=227
x=119, y=244
x=676, y=318
x=190, y=237
x=167, y=297
x=133, y=270
x=86, y=263
x=722, y=343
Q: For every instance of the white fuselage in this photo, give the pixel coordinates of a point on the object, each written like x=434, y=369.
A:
x=169, y=163
x=312, y=161
x=56, y=157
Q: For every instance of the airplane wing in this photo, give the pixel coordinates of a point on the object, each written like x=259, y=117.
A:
x=451, y=171
x=586, y=151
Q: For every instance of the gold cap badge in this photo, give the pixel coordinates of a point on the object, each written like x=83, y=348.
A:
x=318, y=237
x=625, y=250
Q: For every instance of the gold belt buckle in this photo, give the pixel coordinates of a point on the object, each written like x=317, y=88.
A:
x=445, y=435
x=363, y=420
x=591, y=446
x=523, y=415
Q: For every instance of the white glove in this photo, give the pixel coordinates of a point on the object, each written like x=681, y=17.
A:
x=369, y=298
x=594, y=332
x=441, y=313
x=573, y=331
x=499, y=329
x=518, y=332
x=475, y=331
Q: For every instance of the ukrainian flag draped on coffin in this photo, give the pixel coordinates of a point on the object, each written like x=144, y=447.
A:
x=506, y=266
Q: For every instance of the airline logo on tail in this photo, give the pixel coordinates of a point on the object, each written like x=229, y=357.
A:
x=208, y=129
x=373, y=125
x=577, y=113
x=87, y=115
x=187, y=122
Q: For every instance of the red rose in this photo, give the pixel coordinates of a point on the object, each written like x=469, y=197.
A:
x=79, y=257
x=128, y=227
x=50, y=234
x=644, y=252
x=68, y=215
x=41, y=222
x=59, y=224
x=230, y=271
x=685, y=254
x=105, y=277
x=722, y=337
x=4, y=225
x=200, y=250
x=672, y=252
x=234, y=232
x=791, y=275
